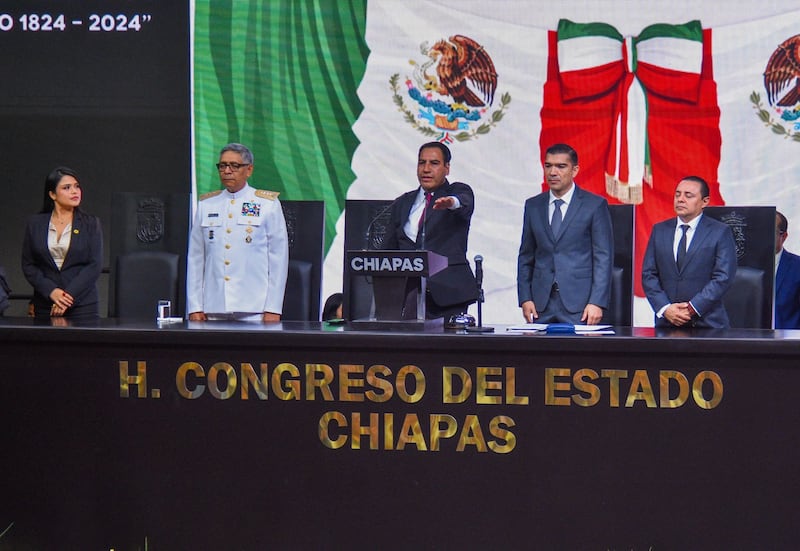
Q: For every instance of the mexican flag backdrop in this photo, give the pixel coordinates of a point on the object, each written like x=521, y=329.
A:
x=335, y=98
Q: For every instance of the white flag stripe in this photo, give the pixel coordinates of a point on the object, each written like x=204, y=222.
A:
x=575, y=54
x=637, y=127
x=672, y=53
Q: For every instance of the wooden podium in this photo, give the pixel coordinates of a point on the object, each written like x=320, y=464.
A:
x=399, y=279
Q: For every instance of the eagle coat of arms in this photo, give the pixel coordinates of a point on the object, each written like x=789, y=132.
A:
x=453, y=89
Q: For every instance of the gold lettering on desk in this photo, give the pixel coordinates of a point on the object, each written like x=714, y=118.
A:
x=320, y=377
x=336, y=429
x=371, y=430
x=351, y=378
x=562, y=387
x=493, y=385
x=286, y=382
x=228, y=376
x=442, y=427
x=411, y=433
x=697, y=389
x=139, y=380
x=346, y=383
x=419, y=384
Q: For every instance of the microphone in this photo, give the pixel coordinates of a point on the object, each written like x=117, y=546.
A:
x=479, y=282
x=368, y=232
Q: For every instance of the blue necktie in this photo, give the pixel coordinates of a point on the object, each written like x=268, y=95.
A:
x=555, y=223
x=681, y=257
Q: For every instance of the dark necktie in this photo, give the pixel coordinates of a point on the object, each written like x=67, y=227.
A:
x=555, y=222
x=428, y=196
x=682, y=247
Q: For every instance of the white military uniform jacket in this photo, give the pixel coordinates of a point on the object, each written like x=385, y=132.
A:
x=238, y=253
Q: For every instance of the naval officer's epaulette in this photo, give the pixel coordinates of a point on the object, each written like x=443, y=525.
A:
x=210, y=194
x=264, y=194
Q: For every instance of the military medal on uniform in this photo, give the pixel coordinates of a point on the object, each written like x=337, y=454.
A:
x=211, y=231
x=250, y=209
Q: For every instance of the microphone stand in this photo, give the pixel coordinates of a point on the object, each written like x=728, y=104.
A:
x=479, y=281
x=422, y=310
x=367, y=240
x=372, y=222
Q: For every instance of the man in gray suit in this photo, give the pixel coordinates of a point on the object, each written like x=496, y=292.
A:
x=567, y=249
x=689, y=263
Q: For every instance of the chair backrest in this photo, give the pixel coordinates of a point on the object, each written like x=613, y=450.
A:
x=620, y=307
x=297, y=301
x=149, y=222
x=745, y=299
x=141, y=280
x=305, y=226
x=753, y=230
x=618, y=312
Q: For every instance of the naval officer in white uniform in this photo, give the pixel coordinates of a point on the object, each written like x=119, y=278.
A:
x=238, y=247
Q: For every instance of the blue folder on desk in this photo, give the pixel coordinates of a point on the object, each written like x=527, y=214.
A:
x=560, y=329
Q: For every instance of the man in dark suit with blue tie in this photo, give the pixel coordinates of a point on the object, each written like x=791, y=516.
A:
x=787, y=279
x=567, y=248
x=436, y=216
x=689, y=263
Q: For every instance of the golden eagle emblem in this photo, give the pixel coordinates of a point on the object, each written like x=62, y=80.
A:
x=454, y=88
x=463, y=62
x=782, y=84
x=782, y=68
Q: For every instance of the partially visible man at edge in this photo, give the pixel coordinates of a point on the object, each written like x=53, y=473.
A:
x=787, y=279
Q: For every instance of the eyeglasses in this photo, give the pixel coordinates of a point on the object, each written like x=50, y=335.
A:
x=222, y=167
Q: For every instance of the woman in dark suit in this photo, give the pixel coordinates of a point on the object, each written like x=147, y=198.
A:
x=62, y=254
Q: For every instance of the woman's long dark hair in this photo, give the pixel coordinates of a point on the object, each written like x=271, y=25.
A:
x=50, y=184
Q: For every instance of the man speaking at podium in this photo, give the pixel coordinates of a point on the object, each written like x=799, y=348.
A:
x=436, y=217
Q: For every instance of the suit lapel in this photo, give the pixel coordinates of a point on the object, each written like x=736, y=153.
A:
x=701, y=233
x=780, y=273
x=667, y=242
x=435, y=216
x=408, y=201
x=72, y=241
x=572, y=212
x=542, y=213
x=43, y=241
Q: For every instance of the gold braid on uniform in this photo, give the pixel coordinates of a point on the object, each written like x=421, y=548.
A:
x=210, y=194
x=264, y=194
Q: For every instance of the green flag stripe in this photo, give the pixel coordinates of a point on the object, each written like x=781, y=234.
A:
x=569, y=29
x=281, y=76
x=693, y=30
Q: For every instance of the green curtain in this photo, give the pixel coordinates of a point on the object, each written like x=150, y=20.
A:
x=280, y=76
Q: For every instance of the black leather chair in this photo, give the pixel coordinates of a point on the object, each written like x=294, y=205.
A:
x=618, y=312
x=297, y=299
x=745, y=299
x=141, y=279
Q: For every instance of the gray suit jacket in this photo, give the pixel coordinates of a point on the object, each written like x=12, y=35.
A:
x=580, y=258
x=707, y=274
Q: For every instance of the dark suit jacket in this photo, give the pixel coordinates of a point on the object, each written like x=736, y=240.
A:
x=446, y=233
x=708, y=273
x=81, y=268
x=787, y=292
x=579, y=259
